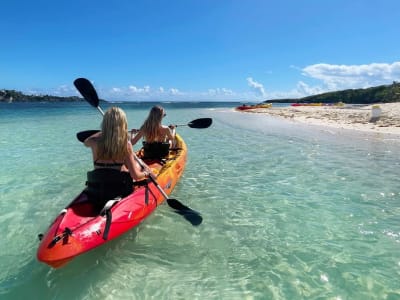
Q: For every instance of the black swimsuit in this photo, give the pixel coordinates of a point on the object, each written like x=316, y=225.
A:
x=107, y=165
x=155, y=150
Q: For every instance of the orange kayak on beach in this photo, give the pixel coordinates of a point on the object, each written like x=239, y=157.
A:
x=80, y=227
x=246, y=107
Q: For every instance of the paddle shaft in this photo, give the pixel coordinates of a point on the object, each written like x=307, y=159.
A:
x=197, y=123
x=141, y=163
x=100, y=110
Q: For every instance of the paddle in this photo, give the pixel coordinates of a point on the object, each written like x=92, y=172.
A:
x=88, y=92
x=198, y=123
x=83, y=135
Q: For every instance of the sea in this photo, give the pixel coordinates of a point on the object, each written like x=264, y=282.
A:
x=290, y=211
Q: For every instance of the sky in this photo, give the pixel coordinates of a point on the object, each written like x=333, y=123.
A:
x=205, y=50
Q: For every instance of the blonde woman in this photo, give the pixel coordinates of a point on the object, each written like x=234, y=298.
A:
x=111, y=147
x=114, y=160
x=157, y=138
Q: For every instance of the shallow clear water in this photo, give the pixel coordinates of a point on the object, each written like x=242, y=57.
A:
x=290, y=211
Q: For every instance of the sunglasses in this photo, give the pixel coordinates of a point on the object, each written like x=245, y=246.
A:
x=164, y=115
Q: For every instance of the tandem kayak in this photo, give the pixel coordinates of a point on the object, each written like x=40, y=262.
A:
x=80, y=227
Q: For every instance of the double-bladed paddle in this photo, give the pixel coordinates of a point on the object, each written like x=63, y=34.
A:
x=89, y=93
x=198, y=123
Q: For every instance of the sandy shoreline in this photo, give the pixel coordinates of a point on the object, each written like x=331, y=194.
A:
x=345, y=117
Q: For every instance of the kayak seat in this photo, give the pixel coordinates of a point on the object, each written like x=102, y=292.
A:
x=155, y=150
x=106, y=184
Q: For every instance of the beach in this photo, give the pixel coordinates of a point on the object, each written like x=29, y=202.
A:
x=355, y=117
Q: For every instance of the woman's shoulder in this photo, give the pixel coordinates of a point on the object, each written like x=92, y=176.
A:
x=164, y=128
x=92, y=140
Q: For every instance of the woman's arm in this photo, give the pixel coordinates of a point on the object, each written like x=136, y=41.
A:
x=171, y=131
x=92, y=140
x=135, y=170
x=136, y=137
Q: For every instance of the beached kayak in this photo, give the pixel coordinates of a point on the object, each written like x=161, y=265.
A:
x=247, y=107
x=80, y=227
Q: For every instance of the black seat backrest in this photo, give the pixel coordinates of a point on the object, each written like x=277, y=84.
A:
x=105, y=184
x=155, y=150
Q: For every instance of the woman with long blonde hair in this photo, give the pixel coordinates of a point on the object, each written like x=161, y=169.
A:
x=157, y=137
x=111, y=147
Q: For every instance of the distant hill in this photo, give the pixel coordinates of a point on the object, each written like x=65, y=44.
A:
x=15, y=96
x=378, y=94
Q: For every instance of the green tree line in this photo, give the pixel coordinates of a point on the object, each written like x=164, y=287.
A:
x=378, y=94
x=15, y=96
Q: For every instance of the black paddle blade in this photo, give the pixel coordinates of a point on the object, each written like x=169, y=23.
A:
x=189, y=214
x=83, y=135
x=194, y=218
x=87, y=90
x=200, y=123
x=175, y=204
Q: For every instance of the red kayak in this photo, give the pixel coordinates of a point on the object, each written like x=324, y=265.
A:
x=244, y=107
x=80, y=227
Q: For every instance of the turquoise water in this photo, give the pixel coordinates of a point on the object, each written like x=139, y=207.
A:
x=290, y=211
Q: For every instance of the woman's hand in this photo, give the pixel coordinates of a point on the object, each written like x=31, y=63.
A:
x=136, y=135
x=134, y=132
x=147, y=172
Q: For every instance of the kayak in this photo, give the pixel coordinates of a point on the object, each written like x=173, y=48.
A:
x=80, y=227
x=264, y=105
x=247, y=107
x=244, y=107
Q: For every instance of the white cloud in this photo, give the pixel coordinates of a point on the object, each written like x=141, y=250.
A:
x=257, y=87
x=174, y=91
x=136, y=90
x=133, y=93
x=338, y=77
x=304, y=89
x=133, y=89
x=317, y=78
x=220, y=91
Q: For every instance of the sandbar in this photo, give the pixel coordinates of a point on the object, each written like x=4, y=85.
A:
x=353, y=117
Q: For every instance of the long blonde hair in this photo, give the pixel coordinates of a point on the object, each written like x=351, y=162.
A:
x=113, y=143
x=151, y=127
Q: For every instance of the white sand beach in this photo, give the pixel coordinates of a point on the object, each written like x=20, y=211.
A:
x=347, y=117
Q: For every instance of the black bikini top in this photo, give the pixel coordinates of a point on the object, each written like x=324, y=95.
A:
x=107, y=165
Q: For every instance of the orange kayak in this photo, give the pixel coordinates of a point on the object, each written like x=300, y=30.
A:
x=247, y=107
x=79, y=228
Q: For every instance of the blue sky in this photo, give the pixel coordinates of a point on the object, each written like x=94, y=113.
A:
x=199, y=50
